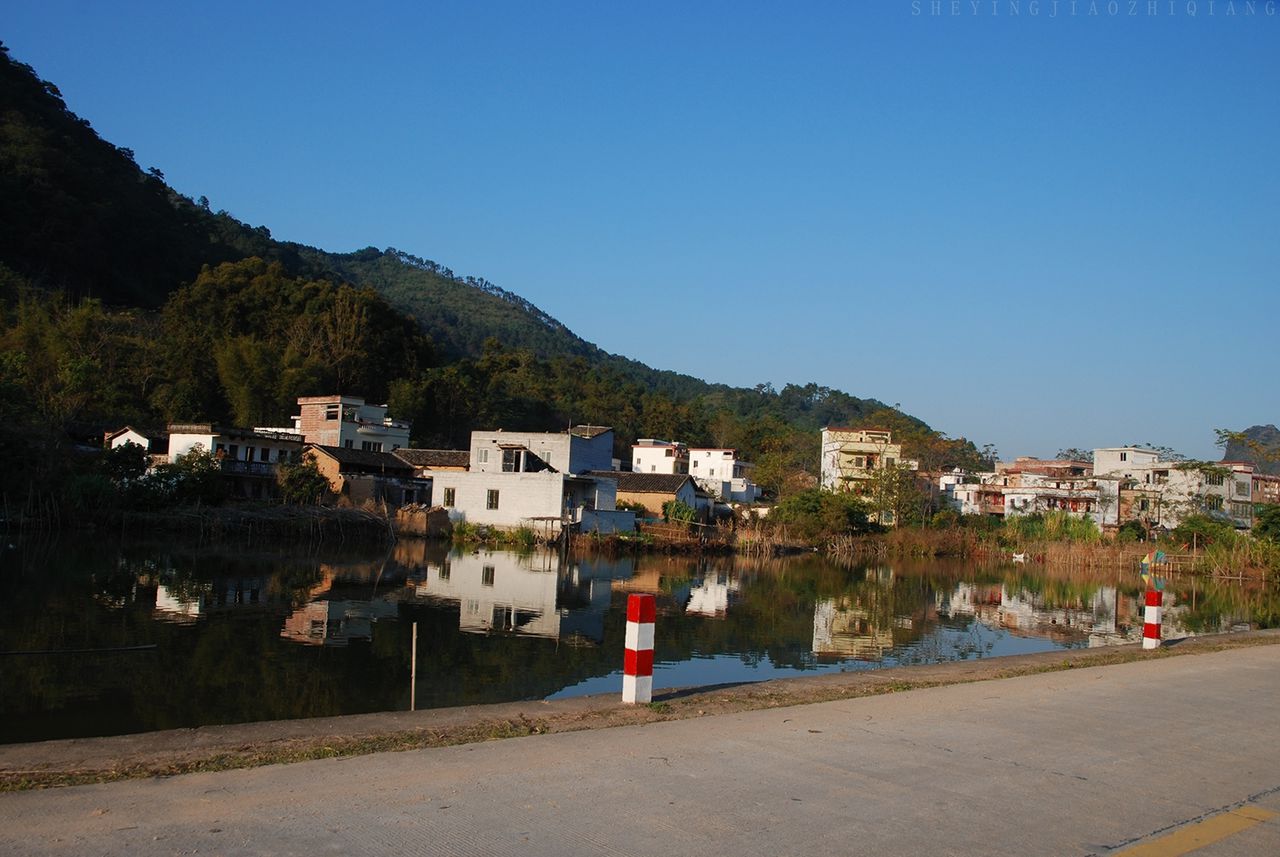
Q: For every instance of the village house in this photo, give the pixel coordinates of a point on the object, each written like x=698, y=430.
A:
x=1265, y=489
x=981, y=497
x=651, y=491
x=537, y=480
x=723, y=475
x=347, y=422
x=659, y=456
x=425, y=462
x=154, y=441
x=249, y=458
x=852, y=456
x=364, y=476
x=1036, y=485
x=1134, y=484
x=717, y=471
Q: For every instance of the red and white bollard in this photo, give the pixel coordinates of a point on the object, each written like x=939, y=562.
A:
x=1151, y=621
x=637, y=663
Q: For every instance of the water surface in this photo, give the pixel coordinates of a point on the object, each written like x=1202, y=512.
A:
x=245, y=633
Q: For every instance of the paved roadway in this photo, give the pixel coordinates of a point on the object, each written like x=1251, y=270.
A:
x=1146, y=758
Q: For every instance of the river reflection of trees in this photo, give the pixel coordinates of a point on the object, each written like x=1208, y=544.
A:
x=277, y=633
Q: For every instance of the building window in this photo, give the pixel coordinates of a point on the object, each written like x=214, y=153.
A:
x=331, y=412
x=695, y=464
x=652, y=468
x=348, y=443
x=444, y=571
x=486, y=574
x=1213, y=503
x=264, y=454
x=491, y=500
x=482, y=456
x=1124, y=456
x=1213, y=479
x=448, y=497
x=370, y=445
x=233, y=451
x=888, y=462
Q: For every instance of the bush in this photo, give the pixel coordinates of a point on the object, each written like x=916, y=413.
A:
x=945, y=519
x=1131, y=531
x=1266, y=523
x=1201, y=531
x=303, y=483
x=678, y=512
x=819, y=516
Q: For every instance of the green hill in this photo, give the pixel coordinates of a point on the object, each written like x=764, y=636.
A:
x=158, y=308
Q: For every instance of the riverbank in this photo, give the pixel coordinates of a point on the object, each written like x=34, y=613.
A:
x=212, y=748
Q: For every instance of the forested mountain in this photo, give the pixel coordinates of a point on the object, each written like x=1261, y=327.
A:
x=123, y=301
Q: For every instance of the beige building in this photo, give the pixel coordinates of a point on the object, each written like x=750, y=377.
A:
x=852, y=455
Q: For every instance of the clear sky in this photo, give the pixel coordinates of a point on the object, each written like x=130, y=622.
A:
x=1039, y=230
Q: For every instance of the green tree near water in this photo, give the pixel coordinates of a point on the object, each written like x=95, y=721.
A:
x=302, y=483
x=818, y=516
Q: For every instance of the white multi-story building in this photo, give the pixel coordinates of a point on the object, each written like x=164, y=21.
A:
x=722, y=475
x=1134, y=484
x=537, y=480
x=659, y=456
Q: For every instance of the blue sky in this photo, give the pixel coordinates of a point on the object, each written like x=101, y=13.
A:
x=1038, y=230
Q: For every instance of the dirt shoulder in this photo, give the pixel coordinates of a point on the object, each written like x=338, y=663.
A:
x=209, y=748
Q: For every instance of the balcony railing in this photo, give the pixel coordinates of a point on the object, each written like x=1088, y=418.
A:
x=248, y=468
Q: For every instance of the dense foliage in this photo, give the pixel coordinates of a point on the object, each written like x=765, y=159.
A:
x=817, y=516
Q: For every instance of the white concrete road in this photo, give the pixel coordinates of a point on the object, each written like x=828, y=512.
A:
x=1090, y=761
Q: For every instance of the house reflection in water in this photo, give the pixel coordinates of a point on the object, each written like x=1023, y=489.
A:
x=189, y=603
x=585, y=596
x=844, y=628
x=497, y=591
x=711, y=595
x=337, y=622
x=327, y=619
x=1088, y=617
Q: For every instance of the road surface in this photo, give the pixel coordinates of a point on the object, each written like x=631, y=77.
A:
x=1146, y=758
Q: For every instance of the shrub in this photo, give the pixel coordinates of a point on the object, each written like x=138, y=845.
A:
x=302, y=483
x=678, y=512
x=1266, y=523
x=819, y=516
x=1202, y=531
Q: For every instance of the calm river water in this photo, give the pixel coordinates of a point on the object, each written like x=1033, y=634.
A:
x=102, y=639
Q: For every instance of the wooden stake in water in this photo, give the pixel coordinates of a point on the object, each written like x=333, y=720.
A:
x=413, y=671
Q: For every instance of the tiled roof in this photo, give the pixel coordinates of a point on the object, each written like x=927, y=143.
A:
x=644, y=483
x=362, y=459
x=435, y=457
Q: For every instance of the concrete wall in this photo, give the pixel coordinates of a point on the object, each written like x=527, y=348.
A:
x=653, y=502
x=564, y=452
x=521, y=496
